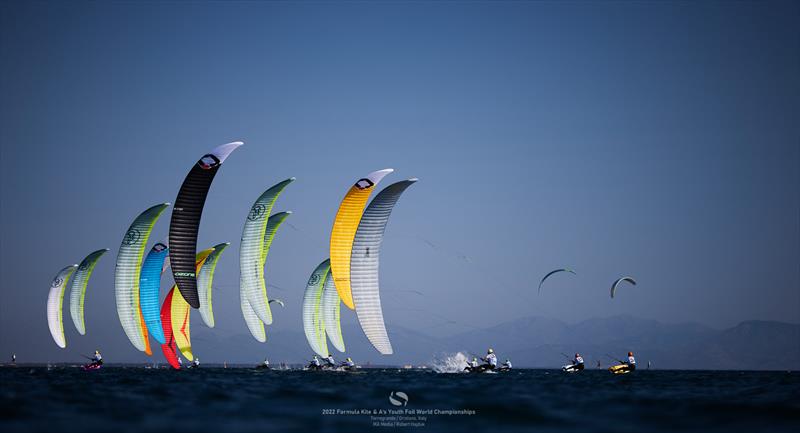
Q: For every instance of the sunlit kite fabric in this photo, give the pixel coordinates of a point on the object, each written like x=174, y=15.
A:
x=149, y=289
x=185, y=222
x=274, y=222
x=55, y=303
x=181, y=331
x=313, y=322
x=252, y=252
x=126, y=276
x=616, y=283
x=254, y=323
x=365, y=261
x=204, y=280
x=344, y=230
x=331, y=309
x=77, y=291
x=180, y=314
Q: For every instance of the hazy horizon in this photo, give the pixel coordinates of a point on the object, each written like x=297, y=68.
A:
x=587, y=135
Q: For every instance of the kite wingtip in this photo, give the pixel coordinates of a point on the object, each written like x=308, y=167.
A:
x=376, y=176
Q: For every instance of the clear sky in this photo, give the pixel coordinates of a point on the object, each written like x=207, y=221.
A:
x=651, y=139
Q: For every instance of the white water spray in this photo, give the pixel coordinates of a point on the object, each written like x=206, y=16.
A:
x=453, y=363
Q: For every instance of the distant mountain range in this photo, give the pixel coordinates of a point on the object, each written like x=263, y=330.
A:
x=539, y=342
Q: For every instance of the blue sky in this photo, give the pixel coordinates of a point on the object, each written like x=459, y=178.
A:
x=651, y=139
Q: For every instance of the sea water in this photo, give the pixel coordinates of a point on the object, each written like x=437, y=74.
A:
x=128, y=399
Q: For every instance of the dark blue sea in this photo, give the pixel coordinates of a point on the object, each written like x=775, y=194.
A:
x=65, y=399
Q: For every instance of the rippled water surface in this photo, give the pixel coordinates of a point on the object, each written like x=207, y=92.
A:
x=215, y=399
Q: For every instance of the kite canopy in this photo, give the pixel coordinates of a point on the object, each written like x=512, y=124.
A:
x=274, y=222
x=313, y=322
x=616, y=283
x=253, y=251
x=149, y=288
x=180, y=313
x=77, y=291
x=278, y=301
x=55, y=302
x=344, y=231
x=185, y=221
x=126, y=276
x=179, y=318
x=254, y=322
x=365, y=261
x=170, y=348
x=554, y=272
x=204, y=279
x=331, y=309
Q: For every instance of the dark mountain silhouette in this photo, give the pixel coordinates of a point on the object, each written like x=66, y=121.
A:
x=536, y=342
x=540, y=342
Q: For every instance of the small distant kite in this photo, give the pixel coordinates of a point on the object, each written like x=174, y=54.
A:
x=616, y=283
x=554, y=272
x=278, y=301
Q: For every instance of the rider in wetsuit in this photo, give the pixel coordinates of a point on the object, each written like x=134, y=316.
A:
x=577, y=362
x=631, y=362
x=472, y=365
x=97, y=359
x=490, y=360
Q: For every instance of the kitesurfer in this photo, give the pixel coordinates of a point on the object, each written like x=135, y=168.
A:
x=631, y=362
x=265, y=364
x=329, y=362
x=472, y=365
x=13, y=358
x=625, y=366
x=314, y=365
x=506, y=366
x=97, y=359
x=348, y=363
x=577, y=362
x=490, y=360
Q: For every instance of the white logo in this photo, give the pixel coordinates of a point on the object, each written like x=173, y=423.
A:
x=398, y=398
